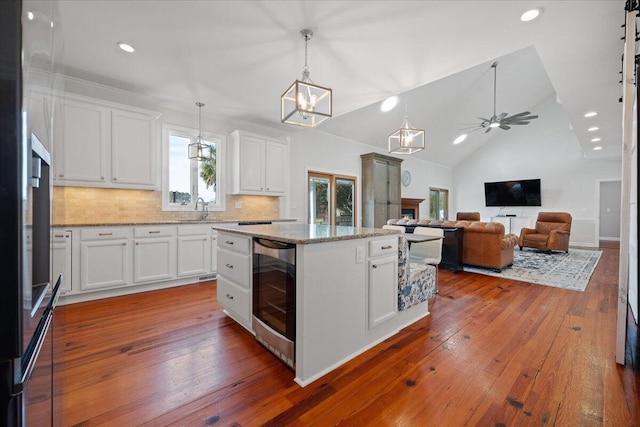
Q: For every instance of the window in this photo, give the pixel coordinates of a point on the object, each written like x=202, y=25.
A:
x=438, y=204
x=327, y=191
x=185, y=180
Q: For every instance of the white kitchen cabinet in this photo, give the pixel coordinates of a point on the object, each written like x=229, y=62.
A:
x=132, y=148
x=194, y=249
x=259, y=164
x=234, y=277
x=382, y=289
x=99, y=144
x=80, y=151
x=105, y=258
x=213, y=267
x=154, y=253
x=61, y=258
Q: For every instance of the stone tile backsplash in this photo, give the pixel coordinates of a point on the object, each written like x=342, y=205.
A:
x=84, y=205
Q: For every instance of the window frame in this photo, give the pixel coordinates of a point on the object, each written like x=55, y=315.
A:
x=221, y=153
x=440, y=191
x=333, y=177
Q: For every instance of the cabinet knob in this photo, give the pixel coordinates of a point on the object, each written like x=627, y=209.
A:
x=102, y=177
x=267, y=188
x=137, y=244
x=374, y=266
x=61, y=175
x=229, y=296
x=124, y=244
x=114, y=178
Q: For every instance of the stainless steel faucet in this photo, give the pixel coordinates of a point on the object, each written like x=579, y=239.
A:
x=205, y=210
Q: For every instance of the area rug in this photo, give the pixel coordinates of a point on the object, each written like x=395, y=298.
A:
x=562, y=270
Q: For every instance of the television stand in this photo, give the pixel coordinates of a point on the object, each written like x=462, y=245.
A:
x=512, y=223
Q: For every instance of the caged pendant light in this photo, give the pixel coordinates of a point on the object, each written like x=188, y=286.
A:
x=198, y=150
x=406, y=140
x=305, y=103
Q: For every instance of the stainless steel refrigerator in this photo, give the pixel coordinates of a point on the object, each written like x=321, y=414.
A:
x=27, y=291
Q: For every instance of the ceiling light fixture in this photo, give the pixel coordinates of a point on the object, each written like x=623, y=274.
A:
x=459, y=139
x=305, y=103
x=530, y=14
x=30, y=16
x=126, y=47
x=198, y=150
x=596, y=140
x=591, y=114
x=597, y=148
x=389, y=104
x=406, y=140
x=593, y=129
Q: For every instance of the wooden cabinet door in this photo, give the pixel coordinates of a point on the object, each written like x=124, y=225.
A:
x=382, y=290
x=275, y=167
x=82, y=133
x=104, y=264
x=132, y=148
x=154, y=259
x=251, y=164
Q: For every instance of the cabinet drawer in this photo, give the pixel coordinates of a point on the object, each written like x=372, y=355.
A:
x=239, y=244
x=236, y=299
x=383, y=247
x=155, y=231
x=193, y=230
x=235, y=267
x=104, y=233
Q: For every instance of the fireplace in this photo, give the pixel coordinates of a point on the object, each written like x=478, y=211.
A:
x=411, y=208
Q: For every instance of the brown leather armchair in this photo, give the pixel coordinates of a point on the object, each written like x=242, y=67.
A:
x=551, y=233
x=468, y=216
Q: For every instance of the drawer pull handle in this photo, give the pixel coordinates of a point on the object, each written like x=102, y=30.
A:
x=229, y=242
x=374, y=266
x=229, y=296
x=229, y=266
x=105, y=234
x=386, y=247
x=154, y=232
x=58, y=235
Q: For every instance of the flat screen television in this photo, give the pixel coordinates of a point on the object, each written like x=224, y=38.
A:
x=523, y=192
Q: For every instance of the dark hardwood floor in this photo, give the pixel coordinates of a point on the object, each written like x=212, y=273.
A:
x=493, y=352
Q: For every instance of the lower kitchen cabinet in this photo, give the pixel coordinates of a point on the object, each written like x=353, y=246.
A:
x=61, y=258
x=105, y=258
x=193, y=250
x=382, y=291
x=154, y=252
x=235, y=277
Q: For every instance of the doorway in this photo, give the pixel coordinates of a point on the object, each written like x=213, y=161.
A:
x=332, y=199
x=609, y=199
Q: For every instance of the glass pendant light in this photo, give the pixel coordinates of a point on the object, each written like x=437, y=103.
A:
x=305, y=103
x=198, y=150
x=406, y=140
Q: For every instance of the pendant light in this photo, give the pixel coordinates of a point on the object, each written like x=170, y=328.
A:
x=406, y=140
x=198, y=150
x=305, y=103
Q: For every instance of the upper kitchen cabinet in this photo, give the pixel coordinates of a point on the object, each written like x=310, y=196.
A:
x=259, y=164
x=104, y=145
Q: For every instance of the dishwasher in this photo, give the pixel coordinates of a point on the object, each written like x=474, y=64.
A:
x=274, y=297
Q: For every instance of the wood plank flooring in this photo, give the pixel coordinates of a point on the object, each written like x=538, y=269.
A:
x=493, y=352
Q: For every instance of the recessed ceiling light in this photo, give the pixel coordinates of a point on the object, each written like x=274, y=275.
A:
x=597, y=148
x=596, y=140
x=30, y=16
x=459, y=139
x=593, y=128
x=389, y=104
x=591, y=114
x=530, y=14
x=126, y=47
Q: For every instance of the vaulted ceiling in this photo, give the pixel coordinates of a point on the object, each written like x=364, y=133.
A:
x=238, y=57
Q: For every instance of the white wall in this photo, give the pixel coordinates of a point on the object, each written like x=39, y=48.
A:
x=548, y=150
x=315, y=150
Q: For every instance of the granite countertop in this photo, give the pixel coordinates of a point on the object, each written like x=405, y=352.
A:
x=304, y=233
x=173, y=222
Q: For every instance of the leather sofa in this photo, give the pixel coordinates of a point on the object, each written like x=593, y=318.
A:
x=468, y=216
x=484, y=244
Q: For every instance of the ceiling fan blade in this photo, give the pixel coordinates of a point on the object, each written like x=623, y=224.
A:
x=502, y=116
x=505, y=127
x=524, y=113
x=520, y=122
x=488, y=129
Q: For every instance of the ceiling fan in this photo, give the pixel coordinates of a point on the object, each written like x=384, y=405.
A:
x=502, y=121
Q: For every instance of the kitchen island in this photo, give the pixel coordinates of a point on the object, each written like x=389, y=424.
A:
x=346, y=289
